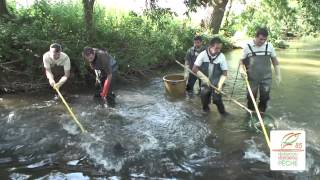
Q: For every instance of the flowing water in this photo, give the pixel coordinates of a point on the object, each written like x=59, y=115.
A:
x=150, y=135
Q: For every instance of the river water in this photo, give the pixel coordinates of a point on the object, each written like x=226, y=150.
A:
x=151, y=135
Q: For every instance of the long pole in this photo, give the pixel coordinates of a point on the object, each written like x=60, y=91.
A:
x=234, y=83
x=257, y=111
x=70, y=111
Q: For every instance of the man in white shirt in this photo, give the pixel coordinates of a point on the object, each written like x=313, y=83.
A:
x=256, y=65
x=55, y=57
x=212, y=68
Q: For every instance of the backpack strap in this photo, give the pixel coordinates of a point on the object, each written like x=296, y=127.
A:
x=253, y=53
x=266, y=53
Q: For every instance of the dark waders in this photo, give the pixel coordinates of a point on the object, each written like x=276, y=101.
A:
x=260, y=78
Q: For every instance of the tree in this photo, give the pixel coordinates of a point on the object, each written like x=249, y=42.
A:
x=3, y=8
x=311, y=14
x=226, y=21
x=217, y=15
x=88, y=16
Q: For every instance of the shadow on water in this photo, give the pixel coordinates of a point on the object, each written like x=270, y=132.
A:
x=151, y=135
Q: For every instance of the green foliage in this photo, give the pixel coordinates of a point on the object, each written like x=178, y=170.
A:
x=29, y=34
x=233, y=25
x=310, y=16
x=192, y=5
x=137, y=41
x=279, y=16
x=226, y=42
x=271, y=14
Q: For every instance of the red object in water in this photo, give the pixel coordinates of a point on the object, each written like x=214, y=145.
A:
x=105, y=89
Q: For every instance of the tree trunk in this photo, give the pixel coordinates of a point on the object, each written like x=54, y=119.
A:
x=226, y=20
x=88, y=16
x=3, y=8
x=217, y=15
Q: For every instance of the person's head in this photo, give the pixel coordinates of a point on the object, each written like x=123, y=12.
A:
x=215, y=45
x=261, y=36
x=88, y=54
x=197, y=41
x=55, y=51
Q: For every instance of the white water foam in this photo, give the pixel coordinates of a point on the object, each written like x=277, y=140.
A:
x=95, y=148
x=38, y=164
x=142, y=176
x=19, y=176
x=151, y=144
x=253, y=152
x=62, y=176
x=10, y=119
x=70, y=126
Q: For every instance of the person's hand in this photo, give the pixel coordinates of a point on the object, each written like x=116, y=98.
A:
x=52, y=82
x=278, y=75
x=60, y=83
x=219, y=90
x=278, y=80
x=204, y=78
x=220, y=84
x=57, y=85
x=186, y=74
x=98, y=82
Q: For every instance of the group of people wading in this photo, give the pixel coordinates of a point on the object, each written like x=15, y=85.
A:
x=208, y=63
x=211, y=67
x=101, y=62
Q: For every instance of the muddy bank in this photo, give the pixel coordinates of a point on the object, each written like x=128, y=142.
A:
x=12, y=81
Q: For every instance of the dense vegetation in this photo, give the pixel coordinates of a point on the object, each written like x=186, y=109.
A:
x=283, y=18
x=137, y=41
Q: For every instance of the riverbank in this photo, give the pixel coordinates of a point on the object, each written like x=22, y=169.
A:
x=11, y=83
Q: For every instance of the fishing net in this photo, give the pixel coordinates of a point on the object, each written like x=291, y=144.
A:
x=269, y=122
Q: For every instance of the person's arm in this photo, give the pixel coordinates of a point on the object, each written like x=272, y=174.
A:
x=276, y=67
x=108, y=70
x=50, y=77
x=66, y=67
x=223, y=77
x=47, y=67
x=196, y=70
x=107, y=66
x=242, y=68
x=275, y=63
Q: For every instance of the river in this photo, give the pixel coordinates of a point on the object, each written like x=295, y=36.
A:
x=151, y=135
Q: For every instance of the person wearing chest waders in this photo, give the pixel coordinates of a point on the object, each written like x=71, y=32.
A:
x=190, y=58
x=256, y=66
x=51, y=62
x=105, y=67
x=212, y=68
